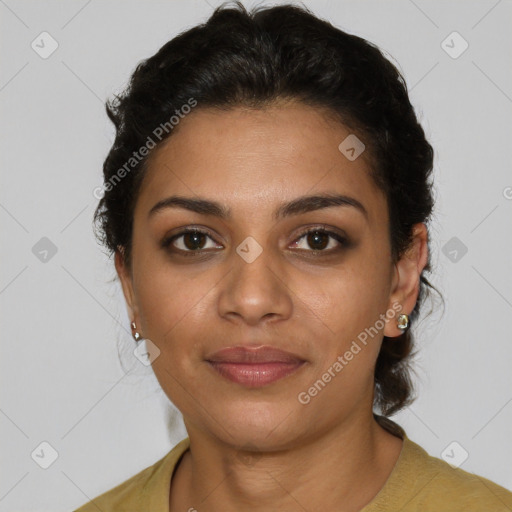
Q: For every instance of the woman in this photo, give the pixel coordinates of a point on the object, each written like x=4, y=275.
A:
x=267, y=200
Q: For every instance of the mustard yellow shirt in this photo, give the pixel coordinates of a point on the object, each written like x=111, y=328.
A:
x=417, y=483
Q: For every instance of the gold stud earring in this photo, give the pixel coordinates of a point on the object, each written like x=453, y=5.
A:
x=135, y=334
x=403, y=322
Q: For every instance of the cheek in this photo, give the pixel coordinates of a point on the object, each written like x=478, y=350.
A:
x=345, y=300
x=343, y=323
x=171, y=301
x=343, y=319
x=175, y=312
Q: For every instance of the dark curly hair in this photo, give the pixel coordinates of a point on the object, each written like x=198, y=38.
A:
x=253, y=59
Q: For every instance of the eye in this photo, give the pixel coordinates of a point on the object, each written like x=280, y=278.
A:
x=320, y=240
x=194, y=241
x=191, y=240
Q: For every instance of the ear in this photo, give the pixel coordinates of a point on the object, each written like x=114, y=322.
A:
x=406, y=280
x=124, y=273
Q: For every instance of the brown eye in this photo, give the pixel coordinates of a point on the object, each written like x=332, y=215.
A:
x=190, y=240
x=320, y=240
x=317, y=240
x=194, y=240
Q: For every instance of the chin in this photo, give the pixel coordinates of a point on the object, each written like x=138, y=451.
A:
x=265, y=426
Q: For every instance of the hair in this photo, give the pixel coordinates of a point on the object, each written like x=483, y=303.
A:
x=253, y=59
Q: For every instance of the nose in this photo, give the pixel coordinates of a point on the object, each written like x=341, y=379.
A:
x=255, y=291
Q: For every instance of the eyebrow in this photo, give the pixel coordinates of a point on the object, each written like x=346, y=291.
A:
x=298, y=206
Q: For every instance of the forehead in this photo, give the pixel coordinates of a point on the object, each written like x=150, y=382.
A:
x=253, y=159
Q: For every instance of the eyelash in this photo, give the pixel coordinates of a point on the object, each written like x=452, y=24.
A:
x=343, y=242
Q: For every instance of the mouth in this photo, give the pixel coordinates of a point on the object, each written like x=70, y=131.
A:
x=254, y=367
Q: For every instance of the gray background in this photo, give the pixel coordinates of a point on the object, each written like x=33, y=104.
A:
x=62, y=320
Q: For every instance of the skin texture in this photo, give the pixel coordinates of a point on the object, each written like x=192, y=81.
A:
x=258, y=449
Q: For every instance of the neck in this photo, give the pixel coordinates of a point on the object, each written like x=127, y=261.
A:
x=341, y=470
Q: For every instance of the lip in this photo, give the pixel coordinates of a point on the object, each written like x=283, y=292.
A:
x=254, y=367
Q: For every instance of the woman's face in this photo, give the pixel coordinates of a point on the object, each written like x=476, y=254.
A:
x=257, y=278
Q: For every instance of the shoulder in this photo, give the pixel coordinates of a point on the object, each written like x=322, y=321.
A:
x=436, y=485
x=148, y=488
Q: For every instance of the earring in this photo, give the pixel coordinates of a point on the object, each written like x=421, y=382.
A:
x=403, y=322
x=135, y=334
